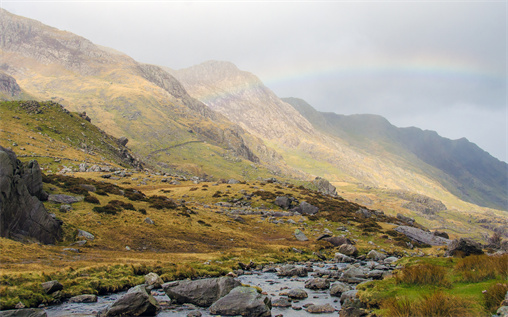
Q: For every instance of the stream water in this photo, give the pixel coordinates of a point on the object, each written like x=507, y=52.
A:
x=268, y=282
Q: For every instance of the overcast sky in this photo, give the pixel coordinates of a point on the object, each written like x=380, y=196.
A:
x=436, y=65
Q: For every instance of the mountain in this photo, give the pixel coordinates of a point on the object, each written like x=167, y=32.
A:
x=144, y=103
x=465, y=170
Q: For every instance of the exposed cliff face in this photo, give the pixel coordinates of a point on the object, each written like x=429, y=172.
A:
x=22, y=214
x=8, y=86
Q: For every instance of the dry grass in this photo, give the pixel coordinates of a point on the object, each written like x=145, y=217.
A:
x=437, y=304
x=477, y=268
x=494, y=296
x=423, y=274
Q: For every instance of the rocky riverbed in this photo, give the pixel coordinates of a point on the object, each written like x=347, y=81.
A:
x=293, y=289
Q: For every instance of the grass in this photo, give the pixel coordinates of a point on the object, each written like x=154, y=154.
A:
x=423, y=274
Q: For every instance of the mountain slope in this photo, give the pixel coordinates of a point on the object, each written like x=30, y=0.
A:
x=467, y=171
x=126, y=98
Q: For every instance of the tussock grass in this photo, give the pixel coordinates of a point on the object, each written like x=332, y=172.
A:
x=437, y=304
x=477, y=268
x=493, y=297
x=423, y=274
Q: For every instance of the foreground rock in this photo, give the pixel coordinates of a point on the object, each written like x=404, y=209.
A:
x=291, y=270
x=324, y=187
x=422, y=236
x=320, y=309
x=137, y=302
x=244, y=301
x=317, y=283
x=203, y=292
x=153, y=279
x=51, y=287
x=463, y=247
x=29, y=312
x=22, y=214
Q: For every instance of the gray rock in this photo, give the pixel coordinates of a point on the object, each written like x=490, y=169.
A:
x=82, y=167
x=28, y=312
x=64, y=199
x=338, y=288
x=353, y=312
x=89, y=187
x=203, y=292
x=283, y=202
x=375, y=274
x=137, y=302
x=86, y=298
x=295, y=293
x=65, y=208
x=194, y=313
x=348, y=249
x=244, y=301
x=349, y=295
x=324, y=187
x=338, y=241
x=463, y=247
x=82, y=234
x=22, y=213
x=317, y=283
x=308, y=209
x=123, y=141
x=342, y=258
x=153, y=279
x=502, y=311
x=149, y=221
x=71, y=250
x=300, y=236
x=281, y=302
x=320, y=309
x=390, y=260
x=51, y=286
x=422, y=236
x=376, y=256
x=291, y=270
x=233, y=181
x=353, y=271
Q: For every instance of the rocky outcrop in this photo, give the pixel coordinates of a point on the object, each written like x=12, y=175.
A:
x=28, y=312
x=324, y=187
x=137, y=302
x=202, y=292
x=9, y=86
x=22, y=214
x=463, y=247
x=422, y=236
x=244, y=301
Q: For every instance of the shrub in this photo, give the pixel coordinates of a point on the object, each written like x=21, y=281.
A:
x=477, y=268
x=92, y=199
x=423, y=274
x=134, y=195
x=437, y=304
x=161, y=202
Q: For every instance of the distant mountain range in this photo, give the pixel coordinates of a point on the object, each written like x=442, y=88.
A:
x=218, y=121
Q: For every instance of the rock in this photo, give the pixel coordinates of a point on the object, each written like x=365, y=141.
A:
x=233, y=181
x=203, y=292
x=65, y=208
x=296, y=293
x=348, y=296
x=281, y=302
x=405, y=219
x=194, y=313
x=320, y=309
x=82, y=234
x=51, y=286
x=123, y=141
x=364, y=213
x=283, y=202
x=28, y=312
x=64, y=199
x=375, y=274
x=308, y=209
x=22, y=213
x=300, y=236
x=152, y=279
x=82, y=167
x=502, y=311
x=244, y=301
x=390, y=260
x=353, y=271
x=463, y=247
x=71, y=250
x=90, y=188
x=86, y=298
x=291, y=270
x=20, y=305
x=324, y=187
x=338, y=288
x=348, y=249
x=149, y=221
x=338, y=241
x=376, y=256
x=422, y=236
x=323, y=236
x=9, y=85
x=441, y=234
x=342, y=258
x=137, y=302
x=353, y=312
x=317, y=283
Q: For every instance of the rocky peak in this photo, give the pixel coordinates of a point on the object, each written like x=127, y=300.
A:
x=22, y=214
x=9, y=86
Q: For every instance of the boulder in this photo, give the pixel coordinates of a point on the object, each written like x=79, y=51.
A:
x=348, y=249
x=463, y=247
x=317, y=283
x=149, y=221
x=376, y=256
x=244, y=301
x=281, y=302
x=338, y=288
x=152, y=279
x=51, y=286
x=85, y=298
x=202, y=292
x=354, y=272
x=324, y=187
x=123, y=141
x=300, y=236
x=283, y=202
x=422, y=236
x=233, y=181
x=320, y=309
x=296, y=293
x=308, y=209
x=353, y=312
x=136, y=302
x=28, y=312
x=338, y=241
x=441, y=234
x=342, y=258
x=22, y=213
x=291, y=270
x=64, y=199
x=82, y=234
